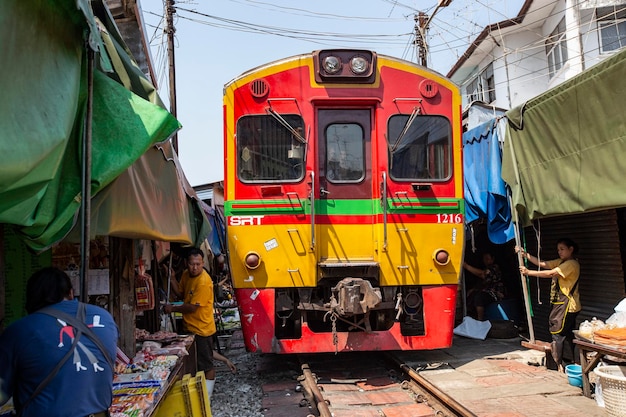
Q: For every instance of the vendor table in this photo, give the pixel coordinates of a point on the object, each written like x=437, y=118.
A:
x=588, y=365
x=185, y=365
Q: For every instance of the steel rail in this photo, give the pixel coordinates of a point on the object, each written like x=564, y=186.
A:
x=313, y=393
x=422, y=382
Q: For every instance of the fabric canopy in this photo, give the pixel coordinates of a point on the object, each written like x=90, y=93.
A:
x=43, y=116
x=152, y=198
x=485, y=191
x=564, y=150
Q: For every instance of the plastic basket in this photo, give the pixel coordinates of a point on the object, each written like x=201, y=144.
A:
x=613, y=383
x=186, y=398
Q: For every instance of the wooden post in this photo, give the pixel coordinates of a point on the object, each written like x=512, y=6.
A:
x=169, y=14
x=121, y=267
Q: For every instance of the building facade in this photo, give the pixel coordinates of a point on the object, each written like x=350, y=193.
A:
x=547, y=43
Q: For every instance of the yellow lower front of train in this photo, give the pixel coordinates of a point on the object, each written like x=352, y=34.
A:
x=313, y=290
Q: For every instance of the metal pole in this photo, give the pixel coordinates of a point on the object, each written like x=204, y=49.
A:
x=422, y=27
x=531, y=330
x=85, y=207
x=420, y=38
x=169, y=12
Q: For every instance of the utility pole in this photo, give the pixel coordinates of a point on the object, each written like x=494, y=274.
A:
x=170, y=30
x=421, y=27
x=420, y=38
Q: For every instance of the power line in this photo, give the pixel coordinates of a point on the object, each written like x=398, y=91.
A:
x=532, y=75
x=310, y=13
x=386, y=40
x=448, y=41
x=283, y=31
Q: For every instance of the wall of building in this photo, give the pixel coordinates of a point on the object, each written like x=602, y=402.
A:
x=526, y=65
x=519, y=59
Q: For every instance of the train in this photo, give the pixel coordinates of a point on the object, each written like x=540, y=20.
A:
x=343, y=202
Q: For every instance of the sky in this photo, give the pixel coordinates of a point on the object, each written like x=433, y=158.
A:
x=216, y=40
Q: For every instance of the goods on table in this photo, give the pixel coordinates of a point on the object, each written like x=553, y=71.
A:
x=139, y=382
x=612, y=337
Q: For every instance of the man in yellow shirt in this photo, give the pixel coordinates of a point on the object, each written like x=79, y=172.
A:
x=196, y=291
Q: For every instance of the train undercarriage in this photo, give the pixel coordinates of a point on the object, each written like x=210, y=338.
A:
x=350, y=304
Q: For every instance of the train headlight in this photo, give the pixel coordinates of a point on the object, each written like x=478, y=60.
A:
x=359, y=65
x=332, y=64
x=252, y=260
x=441, y=257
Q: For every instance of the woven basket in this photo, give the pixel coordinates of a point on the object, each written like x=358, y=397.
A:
x=612, y=381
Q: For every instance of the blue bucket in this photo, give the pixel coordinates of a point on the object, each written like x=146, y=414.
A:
x=574, y=375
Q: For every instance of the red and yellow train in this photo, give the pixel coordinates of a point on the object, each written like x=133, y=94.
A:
x=344, y=203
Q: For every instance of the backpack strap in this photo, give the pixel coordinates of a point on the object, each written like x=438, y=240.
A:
x=58, y=366
x=78, y=323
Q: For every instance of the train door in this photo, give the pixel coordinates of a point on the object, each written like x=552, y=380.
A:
x=344, y=215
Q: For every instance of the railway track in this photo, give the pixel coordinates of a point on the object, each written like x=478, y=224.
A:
x=359, y=384
x=491, y=377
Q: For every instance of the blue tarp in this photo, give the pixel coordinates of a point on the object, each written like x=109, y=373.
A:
x=485, y=191
x=217, y=235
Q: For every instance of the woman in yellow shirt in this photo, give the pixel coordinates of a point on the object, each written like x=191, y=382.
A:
x=564, y=294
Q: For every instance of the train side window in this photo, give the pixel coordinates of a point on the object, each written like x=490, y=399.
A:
x=344, y=153
x=267, y=150
x=419, y=150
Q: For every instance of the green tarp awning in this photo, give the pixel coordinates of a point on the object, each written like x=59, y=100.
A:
x=44, y=83
x=565, y=150
x=152, y=198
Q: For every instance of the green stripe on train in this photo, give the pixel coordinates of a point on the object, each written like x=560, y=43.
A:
x=346, y=207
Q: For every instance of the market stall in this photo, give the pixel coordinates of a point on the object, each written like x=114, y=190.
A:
x=143, y=382
x=591, y=354
x=599, y=342
x=138, y=192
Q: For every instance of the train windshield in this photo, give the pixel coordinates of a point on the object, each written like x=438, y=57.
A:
x=419, y=147
x=270, y=149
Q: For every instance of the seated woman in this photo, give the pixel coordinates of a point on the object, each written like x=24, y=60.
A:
x=491, y=288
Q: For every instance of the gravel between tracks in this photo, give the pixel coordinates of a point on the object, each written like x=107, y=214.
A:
x=240, y=394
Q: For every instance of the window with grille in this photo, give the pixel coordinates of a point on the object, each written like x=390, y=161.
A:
x=482, y=87
x=556, y=48
x=612, y=25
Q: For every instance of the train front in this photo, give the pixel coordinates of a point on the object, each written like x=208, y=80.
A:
x=344, y=203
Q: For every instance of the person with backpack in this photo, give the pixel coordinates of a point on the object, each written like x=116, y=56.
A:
x=58, y=361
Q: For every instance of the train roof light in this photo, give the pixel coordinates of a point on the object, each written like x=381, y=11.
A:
x=332, y=64
x=359, y=65
x=345, y=66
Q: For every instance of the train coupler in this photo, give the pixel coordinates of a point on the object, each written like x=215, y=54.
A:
x=353, y=296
